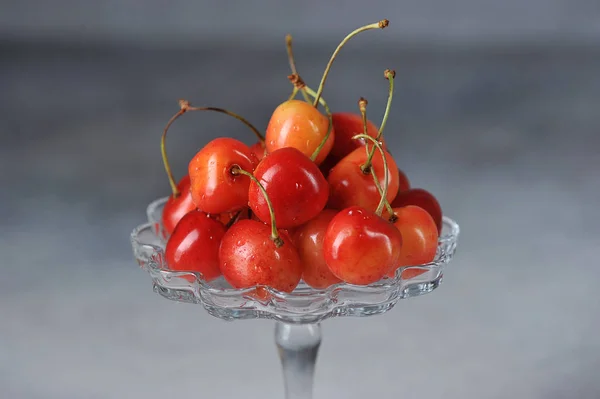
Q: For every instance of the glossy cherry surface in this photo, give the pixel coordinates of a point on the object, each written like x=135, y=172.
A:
x=298, y=124
x=177, y=207
x=349, y=185
x=403, y=181
x=194, y=245
x=419, y=238
x=308, y=239
x=259, y=150
x=348, y=125
x=423, y=199
x=297, y=188
x=214, y=188
x=249, y=257
x=361, y=247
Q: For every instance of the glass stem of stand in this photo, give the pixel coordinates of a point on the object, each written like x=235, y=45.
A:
x=298, y=346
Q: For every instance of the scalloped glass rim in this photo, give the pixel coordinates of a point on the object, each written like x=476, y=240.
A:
x=304, y=304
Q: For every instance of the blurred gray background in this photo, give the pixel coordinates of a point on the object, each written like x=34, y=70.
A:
x=496, y=112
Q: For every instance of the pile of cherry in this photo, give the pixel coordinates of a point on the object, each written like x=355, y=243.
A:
x=319, y=198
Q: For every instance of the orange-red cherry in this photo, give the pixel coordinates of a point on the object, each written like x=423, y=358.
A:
x=249, y=257
x=360, y=247
x=423, y=199
x=194, y=245
x=346, y=126
x=308, y=240
x=297, y=188
x=298, y=124
x=176, y=207
x=349, y=185
x=213, y=187
x=419, y=238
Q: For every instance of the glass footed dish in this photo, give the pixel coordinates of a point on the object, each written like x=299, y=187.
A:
x=305, y=305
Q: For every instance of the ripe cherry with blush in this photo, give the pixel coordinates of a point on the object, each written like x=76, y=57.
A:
x=194, y=245
x=297, y=188
x=308, y=239
x=214, y=188
x=423, y=199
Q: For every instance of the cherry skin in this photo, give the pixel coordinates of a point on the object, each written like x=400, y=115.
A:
x=194, y=245
x=176, y=207
x=423, y=199
x=419, y=238
x=403, y=182
x=349, y=185
x=308, y=240
x=360, y=247
x=298, y=124
x=214, y=188
x=249, y=257
x=346, y=126
x=295, y=185
x=259, y=150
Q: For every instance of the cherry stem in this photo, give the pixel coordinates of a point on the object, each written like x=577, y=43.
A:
x=236, y=170
x=378, y=25
x=318, y=150
x=185, y=106
x=290, y=53
x=389, y=75
x=383, y=200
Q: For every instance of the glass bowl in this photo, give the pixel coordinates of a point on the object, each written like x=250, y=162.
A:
x=305, y=304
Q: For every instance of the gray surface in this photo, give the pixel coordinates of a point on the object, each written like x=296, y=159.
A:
x=506, y=137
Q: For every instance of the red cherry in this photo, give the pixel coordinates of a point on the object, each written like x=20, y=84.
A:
x=259, y=150
x=177, y=206
x=349, y=185
x=346, y=126
x=308, y=239
x=298, y=124
x=361, y=247
x=423, y=199
x=295, y=185
x=419, y=238
x=194, y=245
x=249, y=257
x=214, y=188
x=403, y=182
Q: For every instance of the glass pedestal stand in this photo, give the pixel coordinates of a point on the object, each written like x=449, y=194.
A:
x=299, y=314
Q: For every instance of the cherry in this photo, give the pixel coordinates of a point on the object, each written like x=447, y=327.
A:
x=298, y=124
x=346, y=126
x=308, y=239
x=249, y=258
x=350, y=184
x=423, y=199
x=181, y=202
x=360, y=247
x=403, y=182
x=177, y=206
x=253, y=254
x=419, y=238
x=214, y=188
x=295, y=185
x=259, y=150
x=194, y=245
